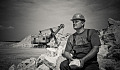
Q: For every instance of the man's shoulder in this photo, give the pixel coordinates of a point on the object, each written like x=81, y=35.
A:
x=92, y=30
x=70, y=37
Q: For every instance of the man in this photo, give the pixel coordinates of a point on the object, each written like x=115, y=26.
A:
x=81, y=48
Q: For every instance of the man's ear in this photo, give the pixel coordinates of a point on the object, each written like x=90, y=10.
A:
x=83, y=23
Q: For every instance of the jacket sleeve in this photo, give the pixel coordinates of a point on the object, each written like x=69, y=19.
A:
x=95, y=40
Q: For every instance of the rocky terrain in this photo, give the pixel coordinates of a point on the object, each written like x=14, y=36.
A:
x=108, y=56
x=46, y=61
x=109, y=53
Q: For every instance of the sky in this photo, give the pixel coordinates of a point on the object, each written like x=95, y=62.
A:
x=20, y=18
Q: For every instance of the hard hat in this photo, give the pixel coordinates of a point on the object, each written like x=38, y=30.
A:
x=78, y=16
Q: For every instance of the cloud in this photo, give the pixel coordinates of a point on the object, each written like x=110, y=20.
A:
x=10, y=27
x=27, y=1
x=103, y=4
x=4, y=27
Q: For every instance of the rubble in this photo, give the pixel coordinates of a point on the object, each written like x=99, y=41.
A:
x=28, y=64
x=13, y=67
x=45, y=61
x=109, y=56
x=103, y=50
x=26, y=42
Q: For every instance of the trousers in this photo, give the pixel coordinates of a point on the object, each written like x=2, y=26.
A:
x=87, y=66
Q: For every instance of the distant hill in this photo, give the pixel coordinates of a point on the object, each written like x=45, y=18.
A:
x=6, y=44
x=9, y=41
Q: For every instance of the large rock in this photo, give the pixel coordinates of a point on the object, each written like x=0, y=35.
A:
x=43, y=67
x=28, y=64
x=113, y=30
x=110, y=40
x=13, y=67
x=103, y=50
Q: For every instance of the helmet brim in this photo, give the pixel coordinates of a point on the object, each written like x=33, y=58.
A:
x=78, y=19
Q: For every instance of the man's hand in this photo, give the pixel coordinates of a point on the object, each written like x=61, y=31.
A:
x=75, y=62
x=68, y=55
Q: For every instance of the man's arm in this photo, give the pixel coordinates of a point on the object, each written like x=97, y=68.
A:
x=95, y=42
x=91, y=54
x=68, y=48
x=68, y=55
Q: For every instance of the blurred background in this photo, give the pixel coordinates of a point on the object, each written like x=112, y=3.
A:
x=20, y=18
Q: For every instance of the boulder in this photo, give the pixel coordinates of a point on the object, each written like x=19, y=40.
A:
x=28, y=64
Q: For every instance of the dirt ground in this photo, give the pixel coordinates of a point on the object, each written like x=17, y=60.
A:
x=9, y=56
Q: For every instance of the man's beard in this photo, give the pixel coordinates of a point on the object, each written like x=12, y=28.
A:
x=78, y=28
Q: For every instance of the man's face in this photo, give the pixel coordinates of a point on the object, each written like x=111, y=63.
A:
x=77, y=24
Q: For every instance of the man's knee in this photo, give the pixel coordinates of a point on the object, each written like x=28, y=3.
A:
x=92, y=67
x=74, y=67
x=64, y=63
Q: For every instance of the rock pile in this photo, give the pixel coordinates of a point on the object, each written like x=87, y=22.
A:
x=109, y=53
x=26, y=42
x=46, y=61
x=43, y=62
